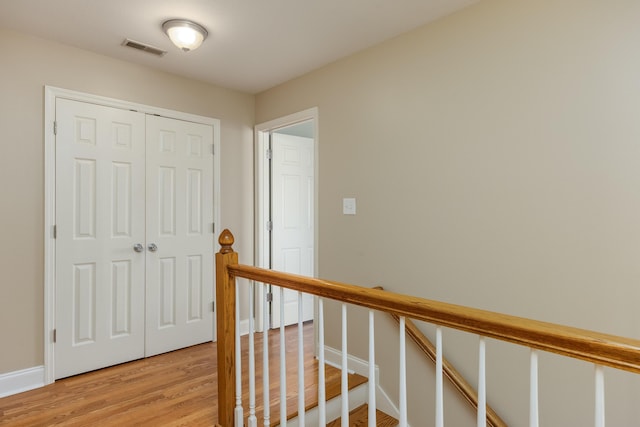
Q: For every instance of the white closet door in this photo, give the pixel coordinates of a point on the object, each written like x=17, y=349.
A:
x=100, y=283
x=293, y=222
x=179, y=224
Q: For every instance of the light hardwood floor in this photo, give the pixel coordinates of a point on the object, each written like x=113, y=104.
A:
x=172, y=389
x=177, y=388
x=359, y=417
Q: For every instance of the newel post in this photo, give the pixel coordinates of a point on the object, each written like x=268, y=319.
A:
x=226, y=328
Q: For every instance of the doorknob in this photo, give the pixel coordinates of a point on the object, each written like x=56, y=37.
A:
x=152, y=247
x=138, y=247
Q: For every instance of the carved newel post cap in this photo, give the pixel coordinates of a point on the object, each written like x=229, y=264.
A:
x=226, y=241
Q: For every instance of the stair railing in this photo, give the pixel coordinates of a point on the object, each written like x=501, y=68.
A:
x=594, y=347
x=451, y=373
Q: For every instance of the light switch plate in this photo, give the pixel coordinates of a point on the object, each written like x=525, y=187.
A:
x=349, y=206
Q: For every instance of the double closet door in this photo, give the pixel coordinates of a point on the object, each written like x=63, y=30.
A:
x=134, y=237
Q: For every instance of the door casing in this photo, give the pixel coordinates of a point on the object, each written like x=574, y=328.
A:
x=262, y=249
x=50, y=95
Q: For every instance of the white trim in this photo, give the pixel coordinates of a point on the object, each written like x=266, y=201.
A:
x=126, y=105
x=357, y=397
x=50, y=95
x=386, y=405
x=49, y=242
x=243, y=328
x=333, y=357
x=216, y=207
x=262, y=190
x=23, y=380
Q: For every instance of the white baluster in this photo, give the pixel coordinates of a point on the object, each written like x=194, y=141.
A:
x=403, y=374
x=301, y=405
x=533, y=393
x=482, y=386
x=322, y=395
x=265, y=357
x=238, y=414
x=344, y=389
x=372, y=371
x=283, y=366
x=252, y=421
x=439, y=387
x=599, y=421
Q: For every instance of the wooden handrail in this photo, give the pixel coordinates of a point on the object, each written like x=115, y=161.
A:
x=457, y=380
x=602, y=349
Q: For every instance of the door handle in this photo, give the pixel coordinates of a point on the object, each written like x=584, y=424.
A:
x=138, y=247
x=152, y=247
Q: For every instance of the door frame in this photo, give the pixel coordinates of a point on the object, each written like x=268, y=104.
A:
x=261, y=173
x=51, y=93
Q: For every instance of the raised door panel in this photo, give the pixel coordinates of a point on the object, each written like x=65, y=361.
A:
x=84, y=304
x=84, y=200
x=121, y=293
x=122, y=199
x=167, y=295
x=195, y=288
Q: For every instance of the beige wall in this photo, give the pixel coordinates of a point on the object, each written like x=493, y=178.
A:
x=495, y=158
x=28, y=64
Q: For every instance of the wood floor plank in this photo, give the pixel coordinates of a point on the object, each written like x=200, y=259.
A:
x=137, y=393
x=172, y=389
x=359, y=417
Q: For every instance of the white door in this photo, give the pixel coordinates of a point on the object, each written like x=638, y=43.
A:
x=124, y=179
x=100, y=283
x=180, y=226
x=293, y=223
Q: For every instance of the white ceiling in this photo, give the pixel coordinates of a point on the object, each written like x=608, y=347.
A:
x=304, y=129
x=253, y=44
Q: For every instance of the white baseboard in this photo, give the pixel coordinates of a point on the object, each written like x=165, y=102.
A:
x=386, y=405
x=333, y=357
x=357, y=397
x=243, y=327
x=23, y=380
x=356, y=365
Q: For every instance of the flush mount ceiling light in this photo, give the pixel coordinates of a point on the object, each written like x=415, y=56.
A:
x=187, y=35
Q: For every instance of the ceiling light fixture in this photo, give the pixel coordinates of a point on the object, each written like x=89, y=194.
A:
x=187, y=35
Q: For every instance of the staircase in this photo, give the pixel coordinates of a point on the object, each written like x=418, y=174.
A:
x=358, y=416
x=358, y=385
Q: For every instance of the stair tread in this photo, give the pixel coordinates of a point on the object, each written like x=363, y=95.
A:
x=333, y=382
x=360, y=417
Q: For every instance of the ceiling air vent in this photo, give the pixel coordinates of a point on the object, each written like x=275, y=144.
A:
x=143, y=47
